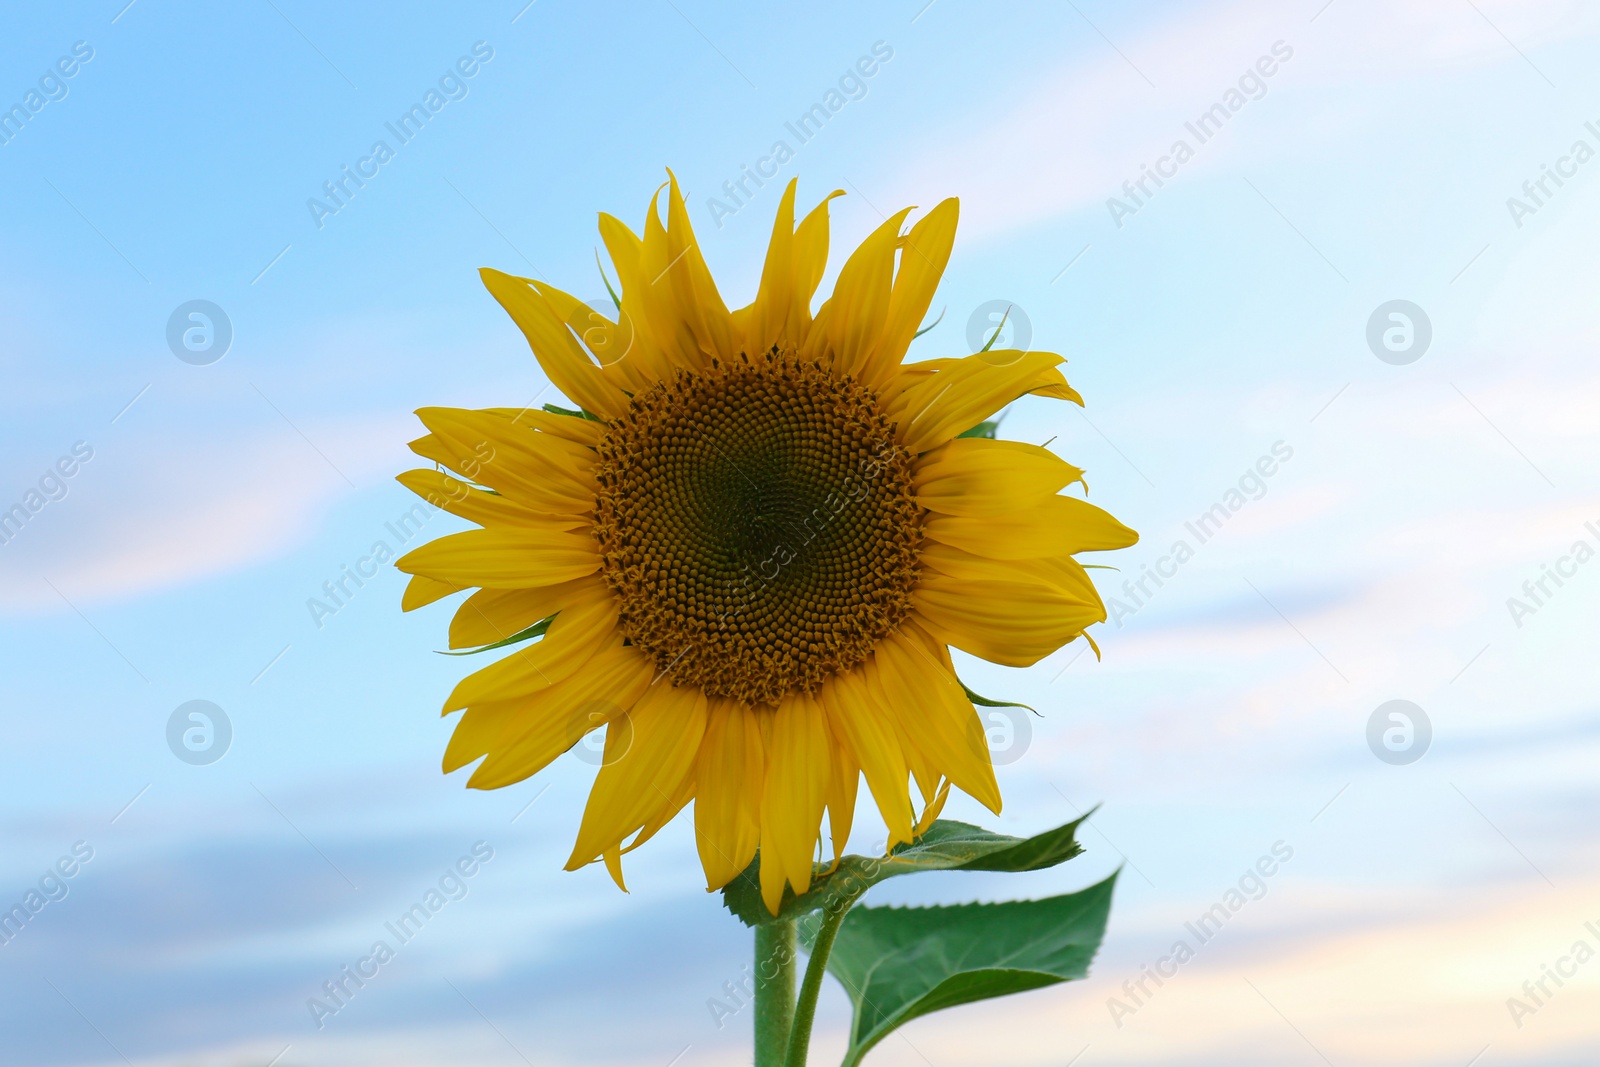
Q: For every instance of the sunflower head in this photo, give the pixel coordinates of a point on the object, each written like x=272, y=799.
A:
x=747, y=556
x=758, y=525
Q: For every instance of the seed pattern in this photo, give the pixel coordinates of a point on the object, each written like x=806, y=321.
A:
x=758, y=525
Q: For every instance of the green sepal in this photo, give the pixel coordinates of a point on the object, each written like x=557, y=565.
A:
x=615, y=299
x=985, y=702
x=897, y=964
x=930, y=325
x=536, y=630
x=993, y=337
x=946, y=846
x=556, y=410
x=990, y=429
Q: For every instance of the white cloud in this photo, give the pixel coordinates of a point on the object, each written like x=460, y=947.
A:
x=1079, y=134
x=163, y=511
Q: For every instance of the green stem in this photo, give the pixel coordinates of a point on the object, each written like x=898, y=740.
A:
x=805, y=1011
x=775, y=960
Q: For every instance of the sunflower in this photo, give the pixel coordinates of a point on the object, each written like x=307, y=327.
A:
x=750, y=551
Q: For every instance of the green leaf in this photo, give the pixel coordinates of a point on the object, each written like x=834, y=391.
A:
x=555, y=410
x=985, y=702
x=900, y=963
x=983, y=429
x=536, y=630
x=946, y=846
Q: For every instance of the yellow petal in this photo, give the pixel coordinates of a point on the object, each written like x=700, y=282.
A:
x=1045, y=381
x=860, y=302
x=504, y=558
x=482, y=726
x=691, y=280
x=1014, y=623
x=491, y=615
x=1062, y=572
x=579, y=431
x=609, y=342
x=935, y=712
x=563, y=359
x=843, y=782
x=623, y=246
x=728, y=783
x=484, y=508
x=885, y=697
x=866, y=727
x=575, y=634
x=983, y=478
x=421, y=590
x=1057, y=525
x=925, y=252
x=770, y=312
x=666, y=812
x=810, y=260
x=964, y=392
x=667, y=323
x=686, y=314
x=543, y=471
x=554, y=719
x=930, y=783
x=627, y=252
x=930, y=812
x=614, y=867
x=658, y=741
x=430, y=447
x=794, y=794
x=477, y=731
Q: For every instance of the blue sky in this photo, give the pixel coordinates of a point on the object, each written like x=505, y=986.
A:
x=1227, y=315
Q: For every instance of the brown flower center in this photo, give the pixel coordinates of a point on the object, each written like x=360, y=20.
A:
x=758, y=525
